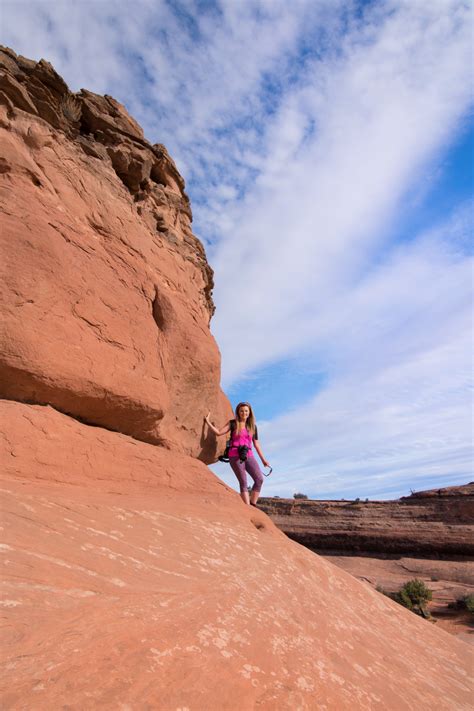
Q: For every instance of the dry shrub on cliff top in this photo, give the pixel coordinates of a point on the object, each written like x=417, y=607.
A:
x=71, y=108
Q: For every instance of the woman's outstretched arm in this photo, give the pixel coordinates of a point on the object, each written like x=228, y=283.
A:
x=218, y=433
x=260, y=453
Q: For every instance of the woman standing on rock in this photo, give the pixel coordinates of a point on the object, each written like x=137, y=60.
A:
x=243, y=433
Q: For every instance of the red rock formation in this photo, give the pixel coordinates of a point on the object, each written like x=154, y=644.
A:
x=107, y=292
x=387, y=543
x=435, y=522
x=133, y=578
x=449, y=580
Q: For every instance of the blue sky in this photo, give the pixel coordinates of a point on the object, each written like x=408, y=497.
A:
x=327, y=147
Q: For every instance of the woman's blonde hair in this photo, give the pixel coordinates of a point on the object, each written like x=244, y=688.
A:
x=250, y=421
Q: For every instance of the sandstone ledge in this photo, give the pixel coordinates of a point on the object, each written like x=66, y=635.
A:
x=437, y=522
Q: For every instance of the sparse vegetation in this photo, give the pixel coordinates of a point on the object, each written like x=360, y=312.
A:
x=299, y=496
x=414, y=595
x=402, y=598
x=71, y=108
x=466, y=602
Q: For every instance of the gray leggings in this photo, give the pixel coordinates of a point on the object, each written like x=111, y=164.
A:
x=240, y=470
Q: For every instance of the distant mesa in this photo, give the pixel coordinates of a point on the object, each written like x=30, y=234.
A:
x=433, y=522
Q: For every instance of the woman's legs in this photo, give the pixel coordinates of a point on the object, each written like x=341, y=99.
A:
x=251, y=465
x=238, y=468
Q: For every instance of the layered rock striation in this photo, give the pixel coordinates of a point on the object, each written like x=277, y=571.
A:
x=435, y=522
x=132, y=577
x=106, y=291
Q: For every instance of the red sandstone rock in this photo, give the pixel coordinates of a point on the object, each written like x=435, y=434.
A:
x=106, y=291
x=428, y=523
x=449, y=580
x=446, y=491
x=376, y=541
x=134, y=579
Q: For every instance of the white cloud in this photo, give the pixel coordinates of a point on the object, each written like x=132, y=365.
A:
x=320, y=208
x=302, y=129
x=396, y=411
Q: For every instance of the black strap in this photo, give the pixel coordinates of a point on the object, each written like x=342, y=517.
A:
x=228, y=444
x=233, y=427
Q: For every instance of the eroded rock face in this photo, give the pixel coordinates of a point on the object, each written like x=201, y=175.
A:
x=107, y=292
x=435, y=522
x=135, y=579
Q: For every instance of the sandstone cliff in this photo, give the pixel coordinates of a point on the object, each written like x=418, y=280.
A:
x=106, y=291
x=435, y=522
x=133, y=578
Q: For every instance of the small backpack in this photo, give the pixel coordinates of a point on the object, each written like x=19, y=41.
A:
x=225, y=456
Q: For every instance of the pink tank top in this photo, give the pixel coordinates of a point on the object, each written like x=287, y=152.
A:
x=243, y=438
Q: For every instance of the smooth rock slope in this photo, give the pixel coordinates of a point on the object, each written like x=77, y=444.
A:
x=132, y=578
x=135, y=580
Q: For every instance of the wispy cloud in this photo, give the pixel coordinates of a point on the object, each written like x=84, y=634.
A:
x=322, y=206
x=310, y=135
x=395, y=410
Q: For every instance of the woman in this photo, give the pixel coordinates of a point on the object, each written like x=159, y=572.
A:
x=243, y=433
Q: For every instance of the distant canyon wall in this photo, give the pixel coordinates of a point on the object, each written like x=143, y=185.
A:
x=435, y=522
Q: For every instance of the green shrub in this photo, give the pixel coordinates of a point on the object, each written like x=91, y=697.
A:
x=417, y=591
x=463, y=603
x=403, y=598
x=469, y=603
x=413, y=595
x=299, y=496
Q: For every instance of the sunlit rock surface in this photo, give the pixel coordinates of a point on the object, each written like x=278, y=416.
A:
x=132, y=577
x=106, y=291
